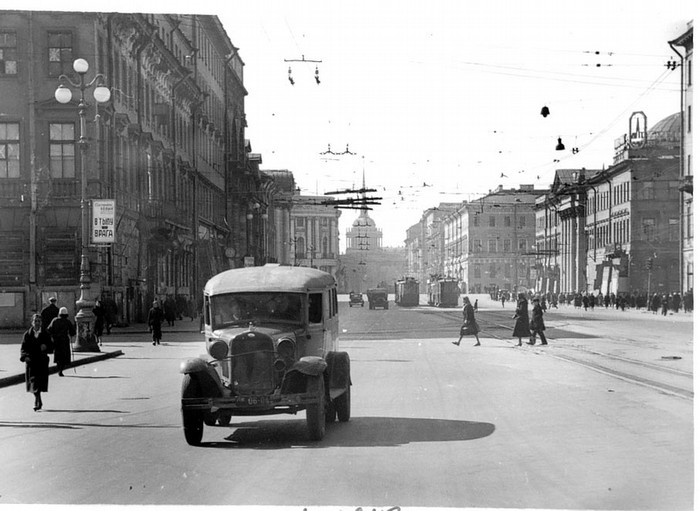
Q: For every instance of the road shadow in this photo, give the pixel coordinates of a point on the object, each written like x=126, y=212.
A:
x=92, y=377
x=358, y=432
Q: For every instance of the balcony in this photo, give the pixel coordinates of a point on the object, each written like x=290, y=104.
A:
x=687, y=185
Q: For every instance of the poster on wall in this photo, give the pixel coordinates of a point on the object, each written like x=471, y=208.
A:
x=103, y=213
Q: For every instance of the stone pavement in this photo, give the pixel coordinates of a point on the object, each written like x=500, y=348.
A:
x=12, y=370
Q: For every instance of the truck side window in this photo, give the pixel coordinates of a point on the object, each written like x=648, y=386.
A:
x=315, y=308
x=207, y=318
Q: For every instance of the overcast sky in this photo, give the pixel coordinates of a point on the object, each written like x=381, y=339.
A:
x=441, y=100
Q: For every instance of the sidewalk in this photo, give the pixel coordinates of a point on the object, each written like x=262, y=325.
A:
x=12, y=370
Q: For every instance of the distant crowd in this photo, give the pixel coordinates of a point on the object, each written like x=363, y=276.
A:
x=656, y=303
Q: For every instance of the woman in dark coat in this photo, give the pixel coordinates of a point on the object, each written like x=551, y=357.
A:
x=99, y=313
x=34, y=352
x=522, y=320
x=469, y=326
x=61, y=330
x=537, y=323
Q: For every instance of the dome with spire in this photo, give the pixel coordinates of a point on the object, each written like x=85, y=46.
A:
x=364, y=221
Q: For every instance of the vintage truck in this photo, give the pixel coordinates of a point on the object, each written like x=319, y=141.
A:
x=271, y=337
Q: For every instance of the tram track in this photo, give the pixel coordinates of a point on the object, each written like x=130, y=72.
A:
x=650, y=374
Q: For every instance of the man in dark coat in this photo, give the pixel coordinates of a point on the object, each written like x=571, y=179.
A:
x=537, y=323
x=522, y=321
x=49, y=312
x=61, y=330
x=155, y=319
x=34, y=352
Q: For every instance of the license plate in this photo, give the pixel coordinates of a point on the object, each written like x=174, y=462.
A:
x=252, y=400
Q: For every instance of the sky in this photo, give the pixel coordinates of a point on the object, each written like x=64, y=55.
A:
x=440, y=101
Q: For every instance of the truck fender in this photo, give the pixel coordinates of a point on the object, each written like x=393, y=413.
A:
x=193, y=365
x=338, y=370
x=310, y=366
x=208, y=378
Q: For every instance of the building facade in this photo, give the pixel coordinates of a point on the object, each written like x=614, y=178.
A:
x=169, y=148
x=315, y=239
x=499, y=241
x=615, y=230
x=685, y=41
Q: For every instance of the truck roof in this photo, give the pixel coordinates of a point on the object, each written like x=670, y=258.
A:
x=271, y=277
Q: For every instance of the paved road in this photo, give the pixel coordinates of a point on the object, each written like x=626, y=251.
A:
x=432, y=425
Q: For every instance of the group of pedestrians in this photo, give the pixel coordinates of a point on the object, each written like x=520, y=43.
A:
x=525, y=326
x=50, y=332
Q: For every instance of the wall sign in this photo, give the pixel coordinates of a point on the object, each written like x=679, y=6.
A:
x=103, y=226
x=638, y=130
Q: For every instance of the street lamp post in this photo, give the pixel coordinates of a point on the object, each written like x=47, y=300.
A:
x=84, y=318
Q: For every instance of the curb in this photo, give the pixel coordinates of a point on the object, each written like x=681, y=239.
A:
x=19, y=378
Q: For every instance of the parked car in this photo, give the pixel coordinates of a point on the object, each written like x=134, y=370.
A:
x=271, y=336
x=378, y=297
x=357, y=299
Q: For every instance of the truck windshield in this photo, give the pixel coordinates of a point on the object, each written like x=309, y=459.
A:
x=242, y=308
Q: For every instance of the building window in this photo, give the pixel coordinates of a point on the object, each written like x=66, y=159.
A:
x=690, y=118
x=522, y=244
x=507, y=245
x=648, y=192
x=299, y=222
x=8, y=53
x=648, y=228
x=673, y=228
x=62, y=150
x=477, y=271
x=60, y=53
x=506, y=221
x=300, y=247
x=476, y=220
x=492, y=246
x=492, y=270
x=492, y=221
x=9, y=149
x=523, y=220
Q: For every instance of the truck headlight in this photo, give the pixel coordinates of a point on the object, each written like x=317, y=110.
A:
x=218, y=349
x=287, y=348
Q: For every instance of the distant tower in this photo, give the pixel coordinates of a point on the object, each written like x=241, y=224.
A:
x=363, y=235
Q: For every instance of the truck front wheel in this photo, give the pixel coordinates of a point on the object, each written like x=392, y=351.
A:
x=342, y=405
x=316, y=413
x=192, y=420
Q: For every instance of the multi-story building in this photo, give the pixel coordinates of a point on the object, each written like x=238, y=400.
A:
x=315, y=239
x=615, y=230
x=499, y=240
x=169, y=148
x=414, y=251
x=561, y=242
x=685, y=41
